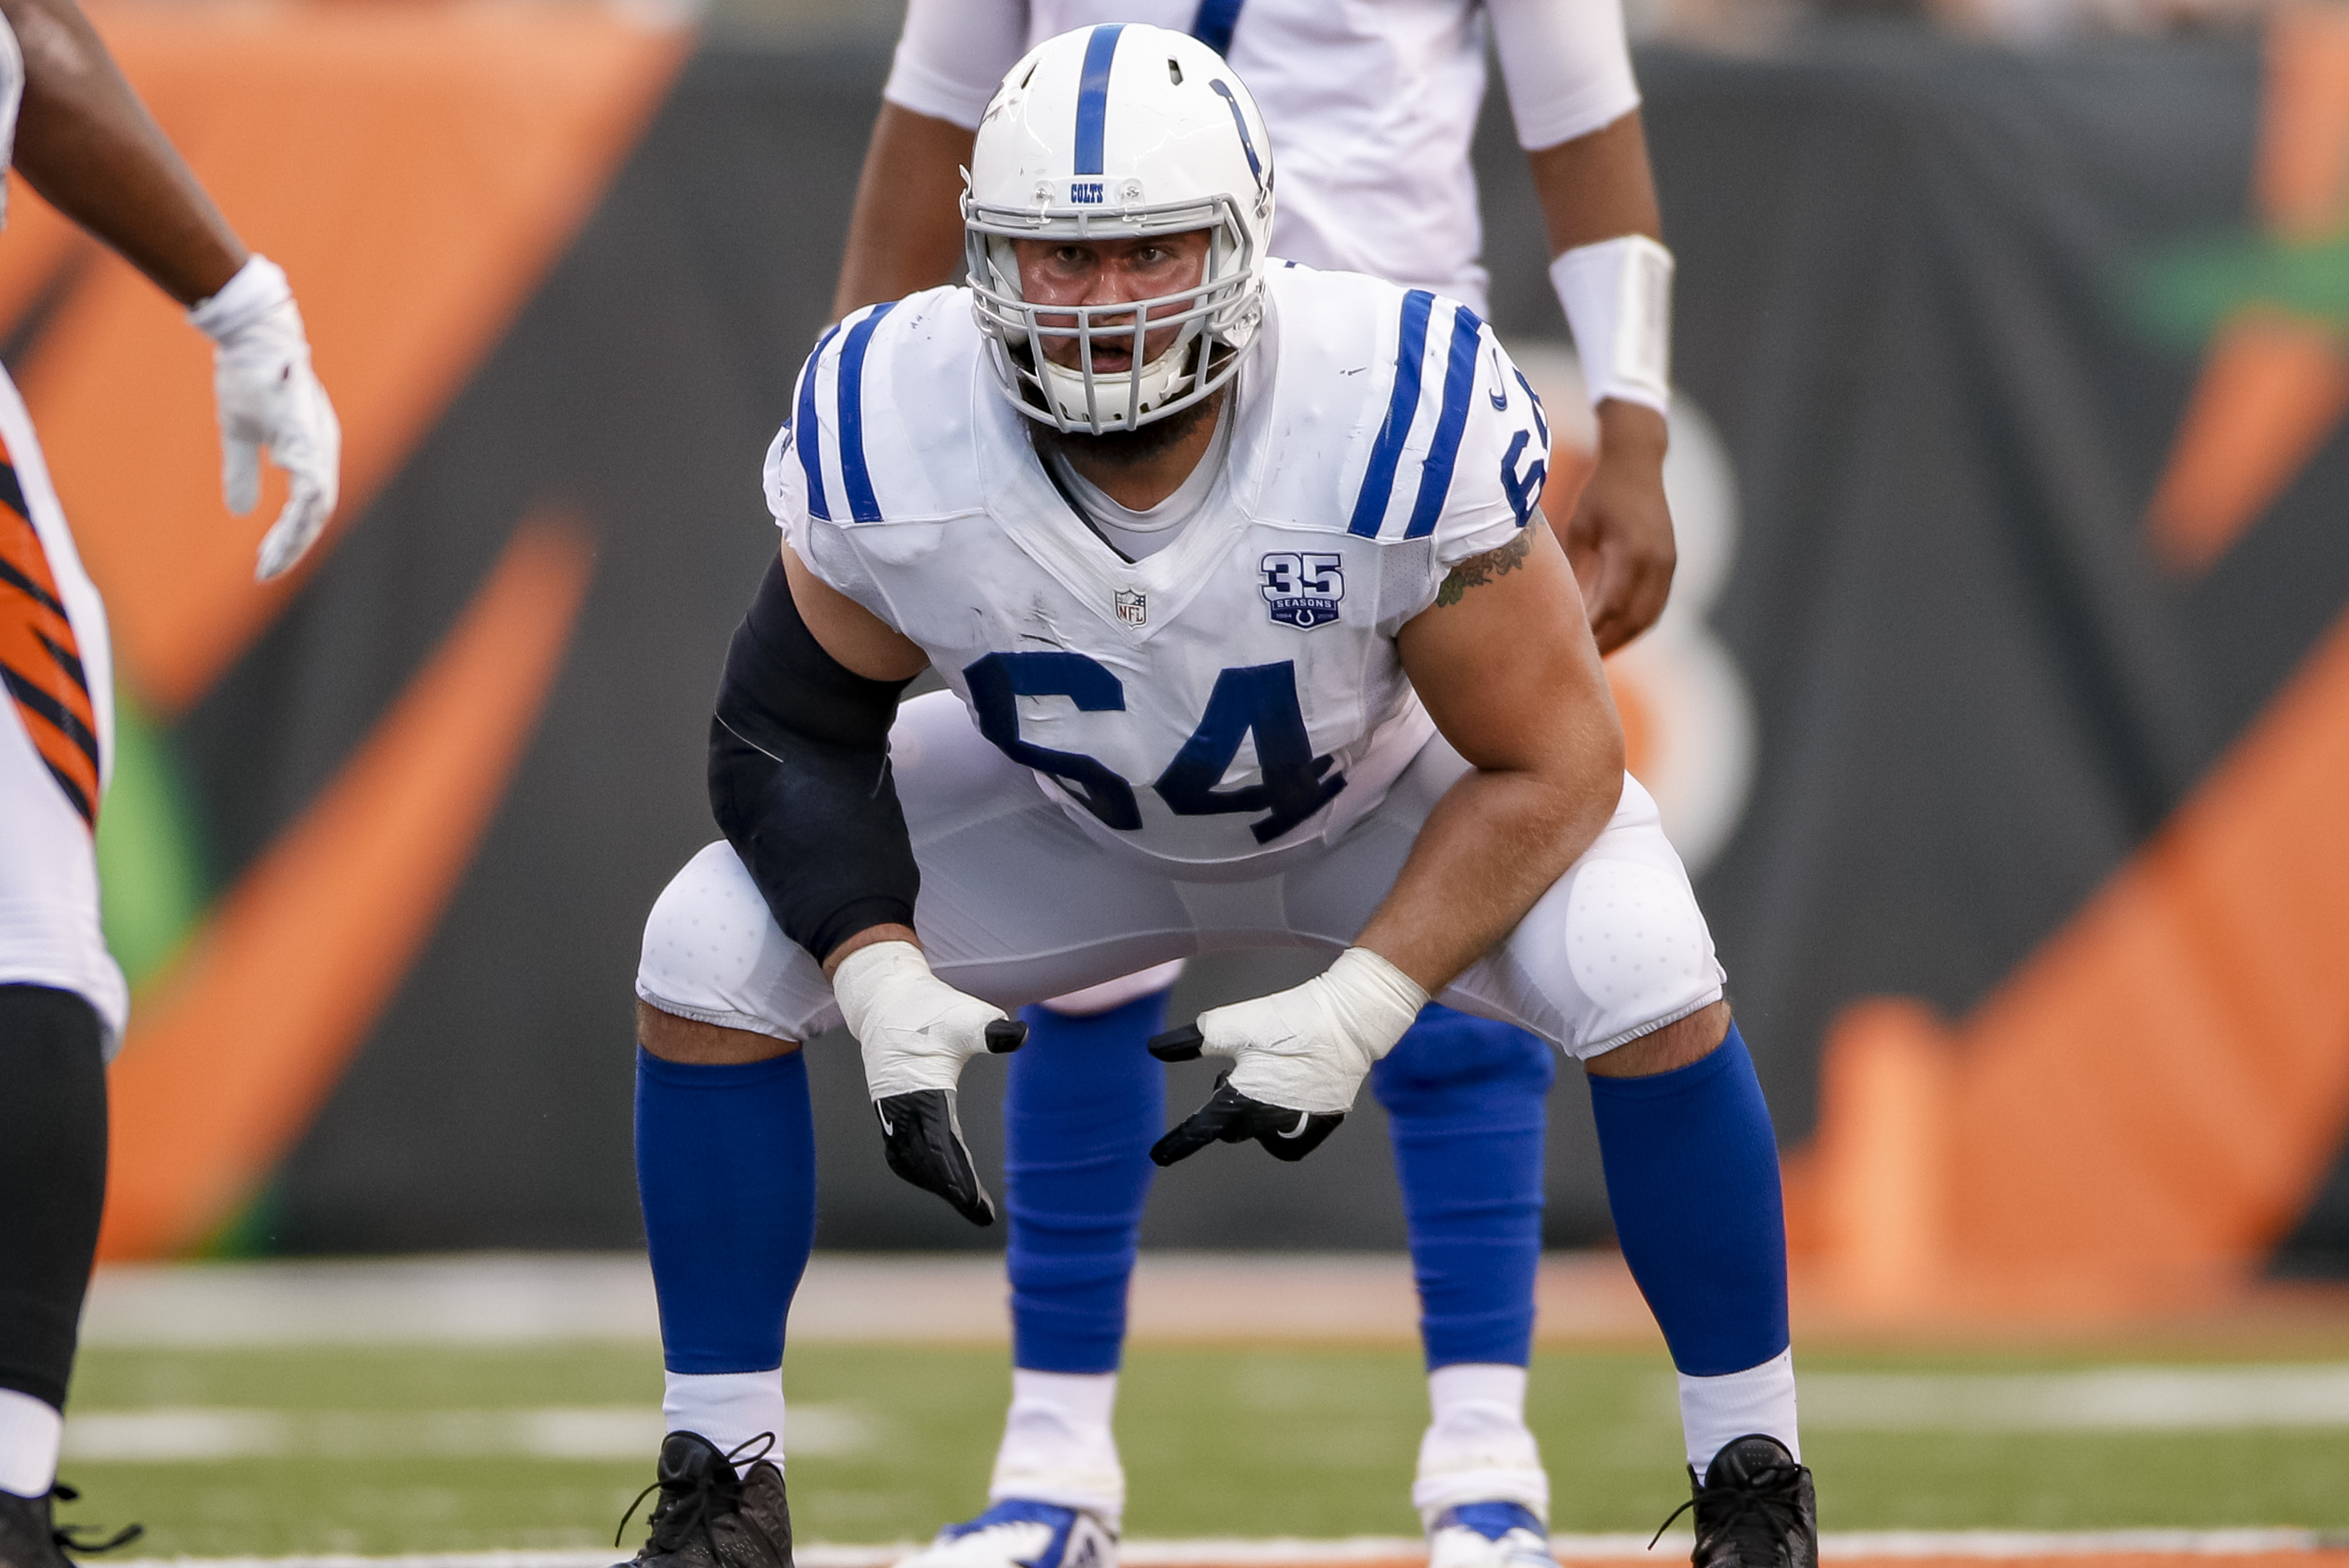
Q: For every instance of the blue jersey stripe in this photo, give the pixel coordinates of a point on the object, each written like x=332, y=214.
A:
x=1214, y=24
x=1444, y=456
x=1093, y=96
x=1378, y=480
x=807, y=434
x=863, y=505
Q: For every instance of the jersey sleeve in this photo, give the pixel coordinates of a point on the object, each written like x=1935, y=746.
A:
x=1462, y=449
x=1568, y=65
x=953, y=54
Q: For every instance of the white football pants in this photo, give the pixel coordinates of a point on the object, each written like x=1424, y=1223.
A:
x=1018, y=903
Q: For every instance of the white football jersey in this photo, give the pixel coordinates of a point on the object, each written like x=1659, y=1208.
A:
x=1239, y=690
x=1372, y=106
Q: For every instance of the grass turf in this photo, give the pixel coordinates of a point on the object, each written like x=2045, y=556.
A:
x=1271, y=1442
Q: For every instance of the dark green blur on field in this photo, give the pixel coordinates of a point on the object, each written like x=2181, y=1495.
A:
x=1312, y=1443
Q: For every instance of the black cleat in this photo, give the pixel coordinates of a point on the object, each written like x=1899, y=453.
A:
x=707, y=1516
x=30, y=1536
x=1755, y=1509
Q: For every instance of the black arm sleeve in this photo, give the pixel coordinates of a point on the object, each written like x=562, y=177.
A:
x=799, y=781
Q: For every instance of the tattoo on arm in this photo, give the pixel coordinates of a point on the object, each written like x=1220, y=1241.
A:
x=1477, y=570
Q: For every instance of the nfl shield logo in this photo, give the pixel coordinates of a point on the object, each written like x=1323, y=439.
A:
x=1133, y=608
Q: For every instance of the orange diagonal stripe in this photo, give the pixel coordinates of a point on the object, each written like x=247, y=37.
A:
x=2167, y=1082
x=415, y=168
x=2302, y=177
x=2273, y=389
x=223, y=1069
x=2149, y=1102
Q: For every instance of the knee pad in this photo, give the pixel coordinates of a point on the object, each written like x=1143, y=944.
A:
x=713, y=954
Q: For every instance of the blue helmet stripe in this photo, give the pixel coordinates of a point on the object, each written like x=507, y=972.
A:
x=1459, y=388
x=1093, y=96
x=1378, y=481
x=863, y=505
x=1248, y=143
x=1214, y=24
x=807, y=434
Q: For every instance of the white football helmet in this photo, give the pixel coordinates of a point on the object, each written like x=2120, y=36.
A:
x=1118, y=131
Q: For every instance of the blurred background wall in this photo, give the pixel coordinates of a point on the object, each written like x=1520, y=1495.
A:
x=2006, y=690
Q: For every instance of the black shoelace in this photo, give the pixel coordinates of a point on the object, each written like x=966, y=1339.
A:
x=68, y=1539
x=692, y=1506
x=1749, y=1524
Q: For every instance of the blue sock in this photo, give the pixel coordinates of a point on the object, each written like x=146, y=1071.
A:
x=1084, y=1103
x=1692, y=1177
x=726, y=1172
x=1467, y=1100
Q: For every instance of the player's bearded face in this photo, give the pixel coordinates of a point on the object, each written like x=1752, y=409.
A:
x=1109, y=271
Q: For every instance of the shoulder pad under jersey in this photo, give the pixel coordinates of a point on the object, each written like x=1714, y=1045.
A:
x=881, y=420
x=1399, y=417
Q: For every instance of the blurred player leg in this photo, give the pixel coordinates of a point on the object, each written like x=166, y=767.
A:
x=1464, y=1099
x=1083, y=1103
x=52, y=1187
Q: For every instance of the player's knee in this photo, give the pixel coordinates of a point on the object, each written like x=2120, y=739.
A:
x=1636, y=949
x=696, y=1043
x=1680, y=1043
x=711, y=960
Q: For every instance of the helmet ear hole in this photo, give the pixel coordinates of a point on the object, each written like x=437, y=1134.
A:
x=1174, y=72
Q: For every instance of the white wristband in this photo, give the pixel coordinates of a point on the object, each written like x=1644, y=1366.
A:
x=1374, y=1001
x=258, y=288
x=867, y=975
x=1617, y=295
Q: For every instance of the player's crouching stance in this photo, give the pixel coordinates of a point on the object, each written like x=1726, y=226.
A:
x=1248, y=644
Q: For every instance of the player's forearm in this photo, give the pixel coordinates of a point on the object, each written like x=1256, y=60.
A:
x=1493, y=846
x=1596, y=187
x=904, y=234
x=86, y=144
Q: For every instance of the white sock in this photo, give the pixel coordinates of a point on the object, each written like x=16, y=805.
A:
x=729, y=1408
x=1477, y=1447
x=1717, y=1411
x=30, y=1434
x=1057, y=1444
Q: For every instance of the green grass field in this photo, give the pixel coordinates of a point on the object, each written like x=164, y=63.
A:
x=1216, y=1442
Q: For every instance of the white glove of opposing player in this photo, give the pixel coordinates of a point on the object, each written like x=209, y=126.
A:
x=1298, y=1056
x=266, y=395
x=915, y=1031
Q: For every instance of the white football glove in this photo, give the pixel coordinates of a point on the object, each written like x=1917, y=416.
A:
x=266, y=395
x=1298, y=1056
x=915, y=1031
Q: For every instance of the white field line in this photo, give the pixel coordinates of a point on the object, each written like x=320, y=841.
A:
x=2105, y=1399
x=207, y=1434
x=1986, y=1544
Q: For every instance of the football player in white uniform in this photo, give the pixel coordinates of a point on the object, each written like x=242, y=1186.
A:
x=83, y=141
x=1372, y=110
x=1227, y=565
